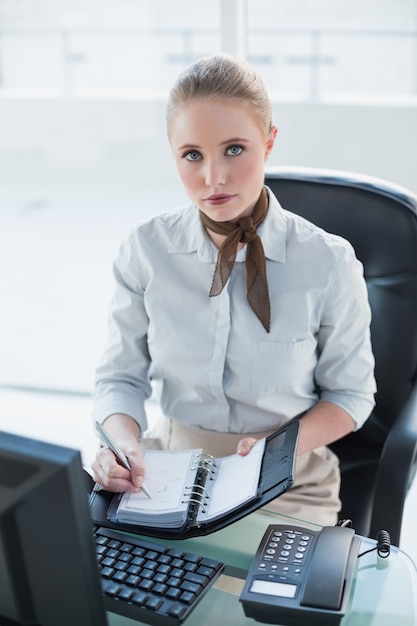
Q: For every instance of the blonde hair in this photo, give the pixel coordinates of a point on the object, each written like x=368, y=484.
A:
x=221, y=76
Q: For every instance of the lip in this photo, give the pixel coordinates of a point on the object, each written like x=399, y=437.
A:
x=219, y=199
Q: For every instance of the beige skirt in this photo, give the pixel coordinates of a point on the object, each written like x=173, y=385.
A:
x=314, y=496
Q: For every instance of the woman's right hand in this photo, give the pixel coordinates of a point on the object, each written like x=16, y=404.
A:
x=112, y=476
x=107, y=471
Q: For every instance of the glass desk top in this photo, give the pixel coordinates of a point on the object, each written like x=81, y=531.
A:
x=384, y=591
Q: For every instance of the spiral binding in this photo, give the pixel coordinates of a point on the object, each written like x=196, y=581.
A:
x=204, y=462
x=195, y=496
x=197, y=493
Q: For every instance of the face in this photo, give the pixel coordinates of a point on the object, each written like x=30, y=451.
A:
x=220, y=150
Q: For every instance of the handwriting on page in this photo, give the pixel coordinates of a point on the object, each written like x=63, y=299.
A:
x=166, y=478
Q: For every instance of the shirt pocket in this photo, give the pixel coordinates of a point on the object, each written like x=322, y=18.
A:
x=283, y=366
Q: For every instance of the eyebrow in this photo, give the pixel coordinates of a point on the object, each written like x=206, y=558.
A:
x=235, y=140
x=223, y=143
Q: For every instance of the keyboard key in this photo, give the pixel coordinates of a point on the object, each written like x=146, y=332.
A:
x=164, y=559
x=151, y=565
x=159, y=577
x=102, y=541
x=187, y=597
x=190, y=567
x=126, y=593
x=120, y=577
x=107, y=572
x=138, y=551
x=133, y=580
x=191, y=587
x=173, y=593
x=206, y=571
x=112, y=589
x=195, y=578
x=177, y=572
x=113, y=554
x=208, y=563
x=160, y=589
x=121, y=566
x=152, y=555
x=154, y=603
x=126, y=547
x=146, y=584
x=140, y=598
x=177, y=610
x=164, y=569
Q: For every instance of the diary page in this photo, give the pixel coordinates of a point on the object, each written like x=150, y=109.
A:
x=236, y=482
x=168, y=474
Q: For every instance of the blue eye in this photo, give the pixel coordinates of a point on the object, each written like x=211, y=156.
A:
x=234, y=150
x=193, y=155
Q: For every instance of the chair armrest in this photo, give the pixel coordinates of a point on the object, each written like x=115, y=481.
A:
x=397, y=468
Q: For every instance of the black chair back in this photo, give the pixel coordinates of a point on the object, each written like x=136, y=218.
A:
x=380, y=221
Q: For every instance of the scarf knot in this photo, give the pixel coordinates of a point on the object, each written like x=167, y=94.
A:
x=245, y=231
x=249, y=233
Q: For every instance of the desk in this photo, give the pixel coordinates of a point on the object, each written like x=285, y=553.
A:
x=384, y=591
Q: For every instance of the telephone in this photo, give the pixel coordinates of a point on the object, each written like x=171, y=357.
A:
x=301, y=576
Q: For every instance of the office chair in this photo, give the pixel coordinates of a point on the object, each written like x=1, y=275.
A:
x=379, y=461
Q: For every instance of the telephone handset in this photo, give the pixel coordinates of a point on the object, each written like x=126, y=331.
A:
x=301, y=576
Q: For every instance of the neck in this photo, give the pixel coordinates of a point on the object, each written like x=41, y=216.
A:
x=219, y=239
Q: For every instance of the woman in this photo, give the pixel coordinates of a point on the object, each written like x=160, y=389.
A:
x=246, y=314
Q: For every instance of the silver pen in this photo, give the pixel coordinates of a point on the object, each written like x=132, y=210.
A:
x=108, y=441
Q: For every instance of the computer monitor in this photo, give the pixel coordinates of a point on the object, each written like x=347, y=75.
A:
x=48, y=569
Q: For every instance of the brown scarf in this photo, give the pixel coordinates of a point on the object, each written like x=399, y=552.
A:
x=244, y=231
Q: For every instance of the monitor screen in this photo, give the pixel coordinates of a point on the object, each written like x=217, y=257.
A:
x=48, y=569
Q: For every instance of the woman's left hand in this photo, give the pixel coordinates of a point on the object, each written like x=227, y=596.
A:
x=245, y=445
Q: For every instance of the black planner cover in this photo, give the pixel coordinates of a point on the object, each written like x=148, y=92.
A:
x=276, y=477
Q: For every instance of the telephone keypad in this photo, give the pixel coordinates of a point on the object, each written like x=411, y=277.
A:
x=285, y=552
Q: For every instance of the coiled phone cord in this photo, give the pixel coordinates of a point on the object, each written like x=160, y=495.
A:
x=383, y=545
x=383, y=541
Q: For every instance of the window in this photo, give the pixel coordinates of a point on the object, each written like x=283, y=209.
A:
x=315, y=50
x=305, y=49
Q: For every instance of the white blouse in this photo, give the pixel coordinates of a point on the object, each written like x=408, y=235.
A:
x=216, y=365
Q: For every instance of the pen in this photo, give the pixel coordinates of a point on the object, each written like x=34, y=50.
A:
x=108, y=441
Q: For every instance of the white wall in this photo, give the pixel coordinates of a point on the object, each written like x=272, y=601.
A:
x=380, y=140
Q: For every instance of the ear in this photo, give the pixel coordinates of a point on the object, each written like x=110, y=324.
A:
x=270, y=141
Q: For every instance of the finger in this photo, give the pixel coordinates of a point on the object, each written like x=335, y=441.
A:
x=109, y=474
x=110, y=464
x=245, y=445
x=117, y=485
x=138, y=469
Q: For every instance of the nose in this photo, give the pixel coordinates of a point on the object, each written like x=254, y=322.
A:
x=214, y=173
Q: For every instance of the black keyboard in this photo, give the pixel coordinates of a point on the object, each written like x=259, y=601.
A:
x=150, y=582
